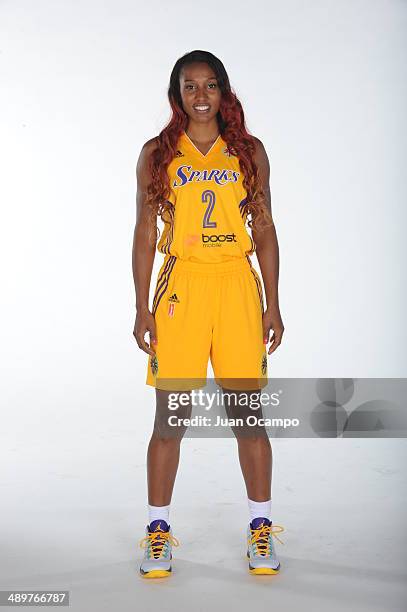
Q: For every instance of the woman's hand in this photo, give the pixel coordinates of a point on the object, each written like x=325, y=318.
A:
x=272, y=321
x=145, y=322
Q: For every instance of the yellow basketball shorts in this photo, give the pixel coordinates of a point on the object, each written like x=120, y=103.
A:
x=207, y=310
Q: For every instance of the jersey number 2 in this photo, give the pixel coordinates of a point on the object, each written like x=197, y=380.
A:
x=208, y=197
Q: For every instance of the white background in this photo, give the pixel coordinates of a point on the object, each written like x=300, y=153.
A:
x=83, y=86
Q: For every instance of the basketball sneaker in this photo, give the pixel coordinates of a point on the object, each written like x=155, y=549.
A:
x=260, y=546
x=158, y=544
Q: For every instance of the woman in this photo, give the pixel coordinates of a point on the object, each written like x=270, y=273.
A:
x=204, y=175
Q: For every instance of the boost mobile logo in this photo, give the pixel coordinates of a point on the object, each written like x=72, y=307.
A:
x=216, y=238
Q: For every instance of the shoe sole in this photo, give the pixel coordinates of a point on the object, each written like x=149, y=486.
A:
x=262, y=571
x=155, y=573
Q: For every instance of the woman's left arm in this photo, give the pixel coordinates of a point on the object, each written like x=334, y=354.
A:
x=268, y=257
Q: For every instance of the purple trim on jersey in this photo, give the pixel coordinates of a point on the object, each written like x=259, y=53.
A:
x=242, y=207
x=164, y=285
x=258, y=284
x=165, y=248
x=162, y=275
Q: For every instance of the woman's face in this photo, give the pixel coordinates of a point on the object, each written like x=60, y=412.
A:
x=200, y=92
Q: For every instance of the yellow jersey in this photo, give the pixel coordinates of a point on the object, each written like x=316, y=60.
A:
x=208, y=205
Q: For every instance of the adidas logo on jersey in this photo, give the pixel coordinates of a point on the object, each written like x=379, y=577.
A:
x=173, y=298
x=179, y=154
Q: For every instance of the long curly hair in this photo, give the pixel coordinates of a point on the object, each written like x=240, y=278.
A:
x=233, y=130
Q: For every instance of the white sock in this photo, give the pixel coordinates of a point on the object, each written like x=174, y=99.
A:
x=259, y=509
x=158, y=513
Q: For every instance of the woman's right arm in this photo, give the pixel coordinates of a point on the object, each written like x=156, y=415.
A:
x=143, y=254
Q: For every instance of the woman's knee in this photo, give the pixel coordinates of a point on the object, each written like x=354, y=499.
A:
x=169, y=423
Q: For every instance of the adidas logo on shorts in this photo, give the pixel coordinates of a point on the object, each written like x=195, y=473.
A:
x=173, y=298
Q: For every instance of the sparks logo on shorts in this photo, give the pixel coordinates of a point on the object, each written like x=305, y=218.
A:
x=217, y=239
x=264, y=365
x=154, y=365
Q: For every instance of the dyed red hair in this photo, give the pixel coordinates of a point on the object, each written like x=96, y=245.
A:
x=233, y=130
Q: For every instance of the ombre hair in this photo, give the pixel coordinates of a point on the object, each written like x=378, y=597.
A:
x=233, y=130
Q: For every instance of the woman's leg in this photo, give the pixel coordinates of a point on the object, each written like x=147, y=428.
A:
x=164, y=450
x=254, y=448
x=162, y=465
x=256, y=462
x=255, y=457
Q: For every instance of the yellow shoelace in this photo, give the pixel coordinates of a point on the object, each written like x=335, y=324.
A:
x=158, y=540
x=260, y=536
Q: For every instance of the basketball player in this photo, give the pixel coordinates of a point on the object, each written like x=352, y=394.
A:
x=206, y=176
